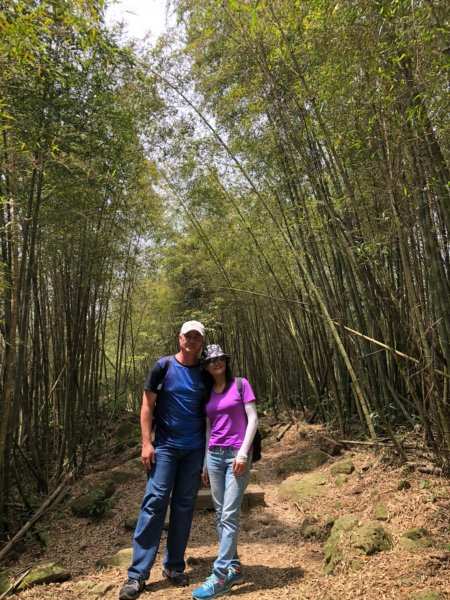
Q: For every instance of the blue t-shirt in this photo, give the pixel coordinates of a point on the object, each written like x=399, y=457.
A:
x=179, y=413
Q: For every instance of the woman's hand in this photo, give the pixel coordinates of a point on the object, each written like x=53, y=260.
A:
x=205, y=477
x=239, y=466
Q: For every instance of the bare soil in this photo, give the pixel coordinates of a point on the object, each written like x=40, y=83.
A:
x=275, y=557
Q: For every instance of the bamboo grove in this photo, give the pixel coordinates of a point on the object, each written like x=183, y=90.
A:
x=316, y=179
x=75, y=199
x=276, y=168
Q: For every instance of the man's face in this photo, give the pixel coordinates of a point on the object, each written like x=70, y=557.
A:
x=191, y=342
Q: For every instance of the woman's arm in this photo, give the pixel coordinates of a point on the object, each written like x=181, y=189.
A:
x=252, y=425
x=205, y=478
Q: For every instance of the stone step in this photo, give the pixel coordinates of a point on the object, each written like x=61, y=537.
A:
x=253, y=496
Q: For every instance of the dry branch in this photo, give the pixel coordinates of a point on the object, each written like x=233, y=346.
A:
x=54, y=496
x=284, y=431
x=15, y=584
x=426, y=469
x=366, y=443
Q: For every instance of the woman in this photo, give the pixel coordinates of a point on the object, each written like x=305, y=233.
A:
x=231, y=426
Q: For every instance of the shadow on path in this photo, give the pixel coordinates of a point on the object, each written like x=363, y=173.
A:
x=257, y=577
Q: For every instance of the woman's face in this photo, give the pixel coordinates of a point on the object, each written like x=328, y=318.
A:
x=216, y=366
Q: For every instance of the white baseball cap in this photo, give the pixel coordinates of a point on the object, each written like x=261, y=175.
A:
x=192, y=326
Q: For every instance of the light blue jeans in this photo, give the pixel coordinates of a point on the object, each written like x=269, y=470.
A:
x=227, y=491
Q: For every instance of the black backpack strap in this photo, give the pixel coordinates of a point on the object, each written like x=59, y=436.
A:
x=239, y=386
x=163, y=373
x=166, y=360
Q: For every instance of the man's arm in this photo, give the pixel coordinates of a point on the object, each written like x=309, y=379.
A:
x=147, y=408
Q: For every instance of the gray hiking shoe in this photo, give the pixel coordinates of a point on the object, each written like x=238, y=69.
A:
x=178, y=578
x=131, y=589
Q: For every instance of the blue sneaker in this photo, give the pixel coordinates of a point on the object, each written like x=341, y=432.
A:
x=212, y=587
x=234, y=576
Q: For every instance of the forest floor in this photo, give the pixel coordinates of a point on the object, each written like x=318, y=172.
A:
x=276, y=557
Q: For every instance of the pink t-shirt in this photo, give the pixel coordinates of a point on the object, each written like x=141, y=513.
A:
x=227, y=416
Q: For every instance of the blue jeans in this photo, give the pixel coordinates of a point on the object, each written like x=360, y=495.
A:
x=175, y=472
x=227, y=492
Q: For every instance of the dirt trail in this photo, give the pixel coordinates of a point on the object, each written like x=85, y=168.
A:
x=277, y=560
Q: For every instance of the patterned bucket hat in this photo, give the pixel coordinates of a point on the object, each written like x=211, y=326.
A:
x=213, y=351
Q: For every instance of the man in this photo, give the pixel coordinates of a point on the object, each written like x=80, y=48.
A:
x=174, y=398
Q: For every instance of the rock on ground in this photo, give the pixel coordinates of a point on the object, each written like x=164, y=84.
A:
x=297, y=488
x=50, y=572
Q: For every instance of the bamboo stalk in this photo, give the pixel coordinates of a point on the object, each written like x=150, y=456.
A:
x=349, y=329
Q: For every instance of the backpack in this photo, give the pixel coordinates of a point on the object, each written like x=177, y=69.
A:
x=165, y=368
x=163, y=373
x=256, y=448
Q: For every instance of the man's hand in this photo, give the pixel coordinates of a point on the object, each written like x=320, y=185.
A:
x=148, y=455
x=148, y=451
